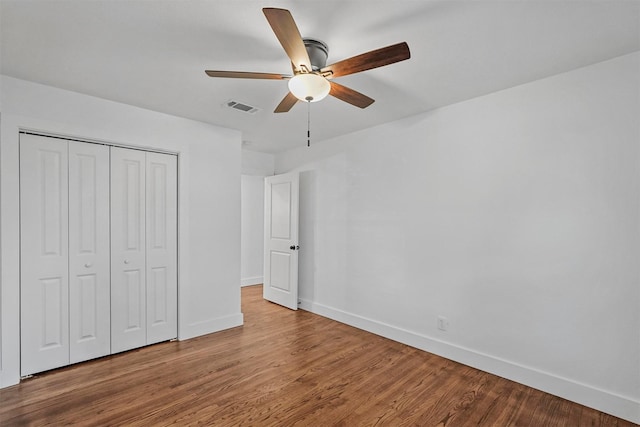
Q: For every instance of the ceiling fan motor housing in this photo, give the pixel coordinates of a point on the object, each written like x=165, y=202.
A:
x=318, y=52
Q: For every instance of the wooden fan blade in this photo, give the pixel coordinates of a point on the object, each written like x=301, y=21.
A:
x=246, y=75
x=286, y=104
x=346, y=94
x=367, y=61
x=286, y=31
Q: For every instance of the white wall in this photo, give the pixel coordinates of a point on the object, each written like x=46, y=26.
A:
x=252, y=230
x=259, y=164
x=255, y=166
x=209, y=200
x=514, y=215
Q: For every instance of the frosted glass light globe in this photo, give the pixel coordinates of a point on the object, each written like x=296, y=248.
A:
x=309, y=87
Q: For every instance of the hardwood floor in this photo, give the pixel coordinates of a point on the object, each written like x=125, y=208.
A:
x=284, y=368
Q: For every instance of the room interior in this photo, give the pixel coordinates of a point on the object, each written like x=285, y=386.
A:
x=484, y=208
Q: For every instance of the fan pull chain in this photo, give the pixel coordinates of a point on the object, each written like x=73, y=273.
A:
x=309, y=123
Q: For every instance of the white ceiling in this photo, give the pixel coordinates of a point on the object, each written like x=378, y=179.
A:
x=153, y=54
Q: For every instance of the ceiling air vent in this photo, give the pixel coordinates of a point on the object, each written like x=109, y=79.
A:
x=241, y=106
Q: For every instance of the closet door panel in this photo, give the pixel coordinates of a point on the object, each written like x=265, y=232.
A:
x=44, y=287
x=161, y=233
x=89, y=257
x=128, y=290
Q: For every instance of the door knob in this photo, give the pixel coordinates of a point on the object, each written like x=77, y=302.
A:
x=87, y=265
x=126, y=261
x=294, y=248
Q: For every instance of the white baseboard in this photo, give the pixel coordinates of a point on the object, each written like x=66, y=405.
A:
x=8, y=379
x=619, y=406
x=248, y=281
x=210, y=326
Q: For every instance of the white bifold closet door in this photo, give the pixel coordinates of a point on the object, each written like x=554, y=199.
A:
x=89, y=252
x=64, y=250
x=162, y=247
x=143, y=248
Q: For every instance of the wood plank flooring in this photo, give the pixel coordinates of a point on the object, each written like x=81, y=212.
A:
x=283, y=368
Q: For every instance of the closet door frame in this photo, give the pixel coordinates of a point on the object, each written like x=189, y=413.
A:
x=111, y=145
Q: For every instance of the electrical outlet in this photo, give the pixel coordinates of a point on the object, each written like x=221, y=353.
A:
x=443, y=323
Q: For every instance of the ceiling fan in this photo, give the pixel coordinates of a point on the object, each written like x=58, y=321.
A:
x=312, y=78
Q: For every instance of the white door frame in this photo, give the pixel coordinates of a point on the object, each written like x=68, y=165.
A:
x=37, y=132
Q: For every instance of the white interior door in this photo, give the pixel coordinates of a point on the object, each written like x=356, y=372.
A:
x=128, y=251
x=44, y=277
x=89, y=268
x=281, y=240
x=161, y=246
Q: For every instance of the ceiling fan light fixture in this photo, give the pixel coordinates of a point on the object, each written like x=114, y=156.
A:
x=309, y=87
